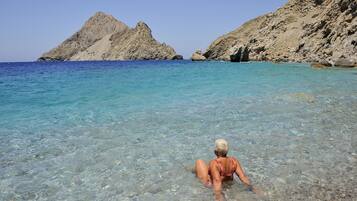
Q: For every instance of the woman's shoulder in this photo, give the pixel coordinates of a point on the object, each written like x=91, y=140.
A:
x=213, y=165
x=213, y=162
x=233, y=160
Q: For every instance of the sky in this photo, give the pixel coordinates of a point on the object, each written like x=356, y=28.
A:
x=32, y=27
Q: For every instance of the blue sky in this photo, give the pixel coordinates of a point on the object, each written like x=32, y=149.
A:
x=31, y=27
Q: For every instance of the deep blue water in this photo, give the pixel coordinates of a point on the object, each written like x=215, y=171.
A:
x=131, y=130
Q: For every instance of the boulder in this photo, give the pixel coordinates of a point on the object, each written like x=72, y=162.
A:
x=321, y=64
x=197, y=56
x=177, y=57
x=345, y=63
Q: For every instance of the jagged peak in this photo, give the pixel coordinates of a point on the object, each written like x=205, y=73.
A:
x=103, y=18
x=143, y=27
x=100, y=19
x=100, y=15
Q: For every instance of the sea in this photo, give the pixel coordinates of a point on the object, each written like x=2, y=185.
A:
x=131, y=131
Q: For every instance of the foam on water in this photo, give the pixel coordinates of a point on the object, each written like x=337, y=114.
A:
x=131, y=130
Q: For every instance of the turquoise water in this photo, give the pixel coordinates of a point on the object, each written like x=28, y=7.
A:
x=132, y=130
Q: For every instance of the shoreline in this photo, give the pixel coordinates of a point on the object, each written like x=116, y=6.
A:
x=311, y=64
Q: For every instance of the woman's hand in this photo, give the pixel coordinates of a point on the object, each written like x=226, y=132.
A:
x=257, y=191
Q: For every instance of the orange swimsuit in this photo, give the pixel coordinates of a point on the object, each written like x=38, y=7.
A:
x=228, y=170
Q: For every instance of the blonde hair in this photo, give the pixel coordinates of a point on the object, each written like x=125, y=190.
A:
x=221, y=147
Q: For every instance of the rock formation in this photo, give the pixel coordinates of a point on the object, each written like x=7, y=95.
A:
x=177, y=57
x=321, y=64
x=105, y=38
x=241, y=55
x=197, y=56
x=346, y=63
x=300, y=31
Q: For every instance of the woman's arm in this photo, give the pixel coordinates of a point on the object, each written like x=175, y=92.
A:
x=240, y=173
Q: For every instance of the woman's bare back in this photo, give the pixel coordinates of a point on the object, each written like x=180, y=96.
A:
x=226, y=166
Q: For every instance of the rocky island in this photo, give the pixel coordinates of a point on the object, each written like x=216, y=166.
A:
x=105, y=38
x=323, y=32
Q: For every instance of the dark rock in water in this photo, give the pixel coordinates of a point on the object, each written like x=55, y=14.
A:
x=50, y=59
x=279, y=60
x=177, y=57
x=236, y=56
x=345, y=63
x=321, y=64
x=245, y=56
x=242, y=55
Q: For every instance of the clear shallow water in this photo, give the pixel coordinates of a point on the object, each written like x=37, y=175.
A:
x=131, y=130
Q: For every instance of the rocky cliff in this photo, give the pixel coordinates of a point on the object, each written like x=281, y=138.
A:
x=104, y=38
x=301, y=31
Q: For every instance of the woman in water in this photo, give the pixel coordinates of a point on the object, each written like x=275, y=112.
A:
x=221, y=169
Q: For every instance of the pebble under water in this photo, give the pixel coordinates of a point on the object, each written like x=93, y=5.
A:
x=132, y=130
